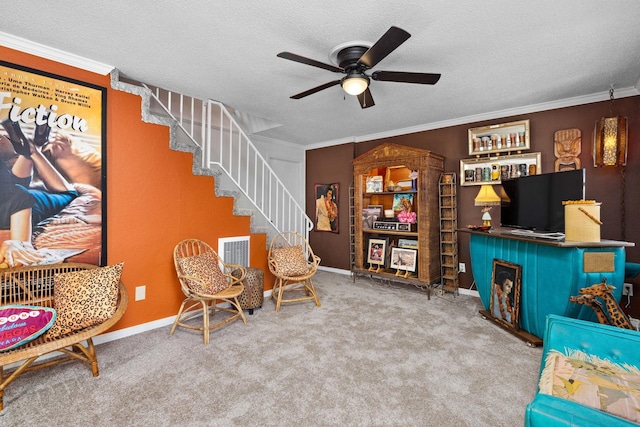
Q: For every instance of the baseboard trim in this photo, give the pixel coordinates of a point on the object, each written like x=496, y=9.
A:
x=470, y=292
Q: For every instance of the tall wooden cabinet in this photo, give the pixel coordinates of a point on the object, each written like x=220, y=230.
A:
x=382, y=176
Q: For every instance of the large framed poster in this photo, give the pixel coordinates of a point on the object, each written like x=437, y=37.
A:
x=52, y=169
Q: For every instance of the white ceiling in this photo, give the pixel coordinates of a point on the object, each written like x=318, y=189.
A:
x=496, y=57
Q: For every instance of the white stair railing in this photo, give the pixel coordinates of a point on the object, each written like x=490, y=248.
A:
x=223, y=143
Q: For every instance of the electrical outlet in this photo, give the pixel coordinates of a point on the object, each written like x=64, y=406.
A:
x=141, y=293
x=462, y=268
x=628, y=289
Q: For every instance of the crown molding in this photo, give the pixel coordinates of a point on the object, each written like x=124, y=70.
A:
x=545, y=106
x=37, y=49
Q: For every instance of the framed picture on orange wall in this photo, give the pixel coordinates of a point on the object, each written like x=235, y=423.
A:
x=52, y=168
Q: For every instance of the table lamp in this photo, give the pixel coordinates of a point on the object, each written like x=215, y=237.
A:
x=487, y=197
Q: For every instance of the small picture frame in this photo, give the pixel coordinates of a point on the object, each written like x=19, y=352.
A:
x=402, y=201
x=506, y=284
x=404, y=259
x=374, y=184
x=408, y=243
x=379, y=208
x=369, y=216
x=377, y=251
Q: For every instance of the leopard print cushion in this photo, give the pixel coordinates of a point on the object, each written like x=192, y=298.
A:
x=290, y=261
x=84, y=298
x=204, y=267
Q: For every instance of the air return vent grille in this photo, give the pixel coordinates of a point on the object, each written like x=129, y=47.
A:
x=234, y=250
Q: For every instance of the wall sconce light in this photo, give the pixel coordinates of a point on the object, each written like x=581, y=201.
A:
x=355, y=83
x=487, y=197
x=610, y=139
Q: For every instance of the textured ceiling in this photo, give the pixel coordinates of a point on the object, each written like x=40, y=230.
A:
x=495, y=57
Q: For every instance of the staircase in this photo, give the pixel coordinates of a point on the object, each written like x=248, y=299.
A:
x=222, y=150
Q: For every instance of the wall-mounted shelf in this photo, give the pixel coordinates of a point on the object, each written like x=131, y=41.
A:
x=502, y=138
x=491, y=170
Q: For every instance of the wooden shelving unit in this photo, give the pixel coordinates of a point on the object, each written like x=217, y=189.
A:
x=396, y=163
x=448, y=232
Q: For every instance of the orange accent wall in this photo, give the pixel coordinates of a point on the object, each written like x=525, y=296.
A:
x=153, y=200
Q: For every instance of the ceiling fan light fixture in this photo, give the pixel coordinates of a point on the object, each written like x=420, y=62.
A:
x=355, y=83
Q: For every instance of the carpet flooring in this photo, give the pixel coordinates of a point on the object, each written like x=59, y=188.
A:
x=374, y=354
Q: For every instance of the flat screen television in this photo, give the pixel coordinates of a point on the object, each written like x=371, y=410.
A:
x=535, y=202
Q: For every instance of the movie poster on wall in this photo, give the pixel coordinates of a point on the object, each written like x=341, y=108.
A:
x=52, y=164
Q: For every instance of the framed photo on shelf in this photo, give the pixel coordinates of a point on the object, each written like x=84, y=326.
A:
x=373, y=184
x=377, y=251
x=408, y=243
x=368, y=217
x=506, y=284
x=402, y=201
x=379, y=208
x=404, y=259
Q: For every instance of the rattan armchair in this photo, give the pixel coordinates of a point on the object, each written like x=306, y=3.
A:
x=293, y=263
x=206, y=280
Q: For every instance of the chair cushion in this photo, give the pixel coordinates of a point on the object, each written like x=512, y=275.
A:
x=206, y=269
x=20, y=324
x=84, y=298
x=290, y=261
x=592, y=381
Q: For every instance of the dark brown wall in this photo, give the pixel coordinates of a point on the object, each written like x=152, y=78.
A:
x=333, y=164
x=328, y=166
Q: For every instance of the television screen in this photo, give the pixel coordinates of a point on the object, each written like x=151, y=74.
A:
x=535, y=202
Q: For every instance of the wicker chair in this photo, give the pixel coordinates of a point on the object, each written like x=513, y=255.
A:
x=291, y=261
x=201, y=274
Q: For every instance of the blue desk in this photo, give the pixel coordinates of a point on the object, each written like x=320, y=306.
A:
x=552, y=271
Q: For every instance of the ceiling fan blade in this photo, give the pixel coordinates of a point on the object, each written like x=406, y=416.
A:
x=389, y=42
x=365, y=99
x=301, y=59
x=405, y=77
x=315, y=89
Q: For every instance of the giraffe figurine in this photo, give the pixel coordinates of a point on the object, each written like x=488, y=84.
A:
x=604, y=291
x=592, y=301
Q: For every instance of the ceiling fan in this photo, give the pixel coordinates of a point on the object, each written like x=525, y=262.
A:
x=356, y=59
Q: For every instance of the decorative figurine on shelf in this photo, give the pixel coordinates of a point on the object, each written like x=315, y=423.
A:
x=486, y=217
x=405, y=206
x=414, y=180
x=407, y=217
